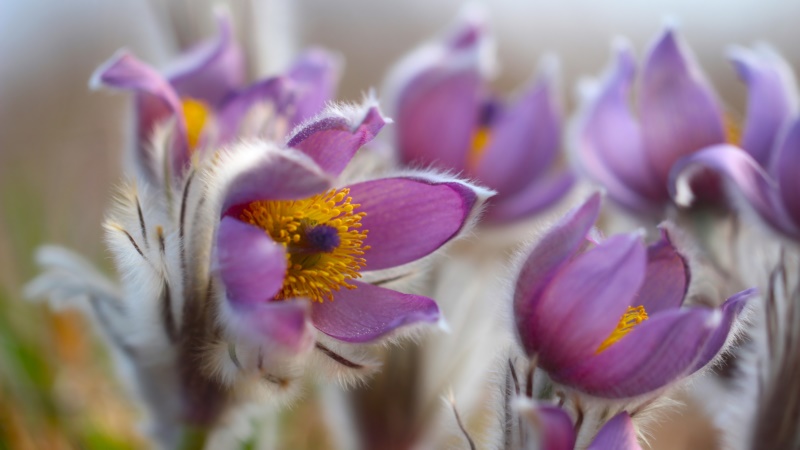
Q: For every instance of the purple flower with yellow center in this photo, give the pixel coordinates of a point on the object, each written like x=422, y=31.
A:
x=203, y=96
x=764, y=170
x=446, y=118
x=608, y=318
x=631, y=151
x=285, y=234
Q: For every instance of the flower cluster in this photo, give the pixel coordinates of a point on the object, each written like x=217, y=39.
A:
x=263, y=241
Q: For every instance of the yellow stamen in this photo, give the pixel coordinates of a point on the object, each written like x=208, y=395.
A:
x=196, y=114
x=733, y=130
x=632, y=317
x=480, y=142
x=314, y=272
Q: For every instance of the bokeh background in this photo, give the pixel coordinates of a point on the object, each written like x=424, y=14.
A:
x=61, y=145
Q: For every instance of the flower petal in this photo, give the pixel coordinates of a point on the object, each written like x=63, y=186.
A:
x=771, y=98
x=408, y=218
x=156, y=101
x=211, y=69
x=553, y=251
x=679, y=111
x=268, y=173
x=284, y=324
x=617, y=434
x=524, y=141
x=316, y=72
x=730, y=312
x=667, y=278
x=436, y=93
x=551, y=425
x=747, y=178
x=332, y=138
x=273, y=92
x=370, y=312
x=610, y=142
x=787, y=161
x=252, y=266
x=585, y=300
x=657, y=352
x=536, y=197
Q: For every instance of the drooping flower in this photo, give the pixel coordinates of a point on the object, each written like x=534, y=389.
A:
x=764, y=174
x=630, y=151
x=447, y=118
x=203, y=96
x=609, y=320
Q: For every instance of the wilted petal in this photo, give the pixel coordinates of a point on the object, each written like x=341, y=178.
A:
x=746, y=176
x=730, y=312
x=316, y=72
x=537, y=196
x=252, y=266
x=273, y=174
x=370, y=312
x=584, y=301
x=552, y=425
x=657, y=352
x=275, y=92
x=610, y=140
x=408, y=218
x=771, y=99
x=331, y=139
x=524, y=141
x=787, y=162
x=617, y=434
x=667, y=277
x=679, y=112
x=211, y=69
x=551, y=253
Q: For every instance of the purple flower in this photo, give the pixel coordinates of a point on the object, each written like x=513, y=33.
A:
x=608, y=320
x=765, y=173
x=631, y=152
x=447, y=118
x=285, y=234
x=556, y=431
x=202, y=94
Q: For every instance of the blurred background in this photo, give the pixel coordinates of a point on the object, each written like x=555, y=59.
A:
x=61, y=144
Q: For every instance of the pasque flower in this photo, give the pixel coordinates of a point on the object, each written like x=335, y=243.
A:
x=631, y=151
x=764, y=169
x=202, y=94
x=446, y=118
x=607, y=318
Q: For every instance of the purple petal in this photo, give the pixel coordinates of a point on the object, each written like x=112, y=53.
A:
x=657, y=352
x=275, y=92
x=746, y=176
x=553, y=251
x=317, y=73
x=524, y=141
x=584, y=302
x=408, y=218
x=252, y=266
x=552, y=425
x=536, y=197
x=332, y=139
x=273, y=174
x=730, y=312
x=787, y=162
x=769, y=99
x=370, y=312
x=617, y=434
x=667, y=277
x=284, y=324
x=211, y=69
x=156, y=101
x=679, y=112
x=610, y=141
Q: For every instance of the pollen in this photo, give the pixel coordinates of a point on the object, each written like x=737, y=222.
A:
x=733, y=130
x=195, y=113
x=480, y=142
x=323, y=239
x=632, y=317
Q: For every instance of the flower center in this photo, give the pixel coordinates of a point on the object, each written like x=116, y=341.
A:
x=480, y=142
x=195, y=113
x=632, y=317
x=324, y=245
x=733, y=130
